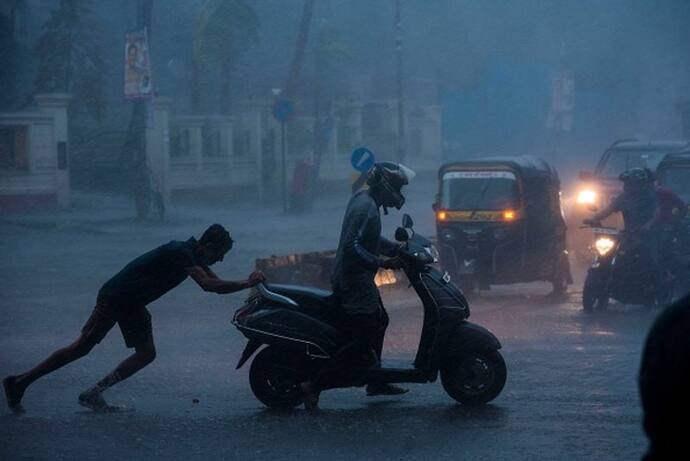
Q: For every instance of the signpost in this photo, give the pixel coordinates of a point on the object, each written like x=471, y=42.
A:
x=362, y=160
x=282, y=110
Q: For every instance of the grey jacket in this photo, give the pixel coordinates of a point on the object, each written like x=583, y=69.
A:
x=357, y=259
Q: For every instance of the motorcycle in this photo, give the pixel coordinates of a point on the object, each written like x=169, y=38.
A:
x=621, y=271
x=293, y=324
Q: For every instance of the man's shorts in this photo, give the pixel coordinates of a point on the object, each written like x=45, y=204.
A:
x=134, y=322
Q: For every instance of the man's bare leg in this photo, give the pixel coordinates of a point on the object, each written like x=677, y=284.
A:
x=15, y=386
x=143, y=355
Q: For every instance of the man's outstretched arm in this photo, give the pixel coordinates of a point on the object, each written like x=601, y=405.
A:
x=208, y=281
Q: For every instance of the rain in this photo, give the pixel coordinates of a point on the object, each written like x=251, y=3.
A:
x=179, y=186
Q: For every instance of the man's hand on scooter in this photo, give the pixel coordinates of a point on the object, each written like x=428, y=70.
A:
x=256, y=277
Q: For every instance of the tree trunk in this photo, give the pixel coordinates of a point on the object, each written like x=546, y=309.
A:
x=133, y=154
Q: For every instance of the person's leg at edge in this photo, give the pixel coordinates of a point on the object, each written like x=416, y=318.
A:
x=15, y=386
x=93, y=331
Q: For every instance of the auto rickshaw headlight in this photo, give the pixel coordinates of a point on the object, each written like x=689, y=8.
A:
x=509, y=215
x=441, y=215
x=604, y=245
x=587, y=197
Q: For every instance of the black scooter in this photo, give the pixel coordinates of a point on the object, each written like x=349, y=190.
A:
x=293, y=322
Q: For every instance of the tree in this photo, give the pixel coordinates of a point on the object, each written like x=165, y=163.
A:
x=70, y=59
x=225, y=30
x=331, y=55
x=10, y=52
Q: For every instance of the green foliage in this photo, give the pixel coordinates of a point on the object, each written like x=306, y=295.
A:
x=69, y=58
x=225, y=29
x=330, y=51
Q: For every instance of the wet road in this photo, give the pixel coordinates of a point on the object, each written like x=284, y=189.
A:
x=571, y=390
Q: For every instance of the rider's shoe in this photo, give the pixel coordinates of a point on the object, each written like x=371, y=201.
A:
x=385, y=389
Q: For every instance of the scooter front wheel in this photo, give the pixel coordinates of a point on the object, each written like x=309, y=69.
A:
x=593, y=292
x=274, y=380
x=474, y=377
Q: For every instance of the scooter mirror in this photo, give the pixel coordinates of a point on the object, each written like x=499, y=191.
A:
x=407, y=221
x=401, y=234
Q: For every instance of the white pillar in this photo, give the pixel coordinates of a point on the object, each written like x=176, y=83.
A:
x=56, y=104
x=158, y=146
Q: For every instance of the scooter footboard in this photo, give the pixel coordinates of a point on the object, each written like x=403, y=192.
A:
x=470, y=336
x=286, y=327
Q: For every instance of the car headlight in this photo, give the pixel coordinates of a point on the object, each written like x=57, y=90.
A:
x=604, y=245
x=587, y=197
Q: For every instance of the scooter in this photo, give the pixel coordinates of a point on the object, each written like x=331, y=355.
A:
x=620, y=271
x=293, y=323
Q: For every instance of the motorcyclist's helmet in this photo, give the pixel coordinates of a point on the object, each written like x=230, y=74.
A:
x=635, y=179
x=386, y=180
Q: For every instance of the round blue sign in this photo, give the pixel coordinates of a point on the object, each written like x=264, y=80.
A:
x=362, y=159
x=283, y=110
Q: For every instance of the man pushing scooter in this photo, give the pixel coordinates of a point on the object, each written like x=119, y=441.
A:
x=123, y=299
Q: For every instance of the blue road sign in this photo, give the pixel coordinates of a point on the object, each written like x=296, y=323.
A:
x=283, y=110
x=362, y=159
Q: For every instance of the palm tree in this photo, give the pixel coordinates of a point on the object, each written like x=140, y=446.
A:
x=225, y=30
x=69, y=59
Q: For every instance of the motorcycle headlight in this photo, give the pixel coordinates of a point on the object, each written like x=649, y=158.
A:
x=604, y=245
x=587, y=197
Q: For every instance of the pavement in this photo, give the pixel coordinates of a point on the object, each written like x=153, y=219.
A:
x=571, y=391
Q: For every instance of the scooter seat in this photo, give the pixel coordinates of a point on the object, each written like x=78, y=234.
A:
x=298, y=293
x=312, y=301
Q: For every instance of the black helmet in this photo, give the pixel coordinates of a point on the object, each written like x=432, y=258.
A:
x=634, y=176
x=386, y=179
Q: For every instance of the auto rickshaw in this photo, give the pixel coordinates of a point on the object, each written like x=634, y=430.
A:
x=499, y=221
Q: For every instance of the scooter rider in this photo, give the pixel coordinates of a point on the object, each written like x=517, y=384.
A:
x=362, y=316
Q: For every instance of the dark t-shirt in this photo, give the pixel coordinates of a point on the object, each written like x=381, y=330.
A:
x=151, y=275
x=637, y=208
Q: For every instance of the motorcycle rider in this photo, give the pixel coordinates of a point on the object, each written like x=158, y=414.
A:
x=638, y=204
x=361, y=316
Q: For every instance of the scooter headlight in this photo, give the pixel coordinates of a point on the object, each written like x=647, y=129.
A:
x=604, y=245
x=433, y=252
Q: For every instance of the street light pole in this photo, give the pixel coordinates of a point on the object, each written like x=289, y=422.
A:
x=399, y=65
x=283, y=153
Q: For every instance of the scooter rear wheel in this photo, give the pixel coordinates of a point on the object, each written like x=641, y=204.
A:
x=275, y=381
x=475, y=377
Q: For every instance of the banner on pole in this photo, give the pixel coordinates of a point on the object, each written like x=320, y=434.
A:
x=137, y=66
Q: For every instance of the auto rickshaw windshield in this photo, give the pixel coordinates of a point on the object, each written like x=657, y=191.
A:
x=479, y=190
